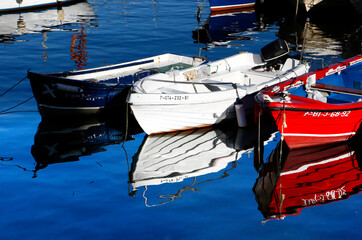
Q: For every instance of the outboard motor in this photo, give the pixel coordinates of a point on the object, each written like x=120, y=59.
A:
x=275, y=50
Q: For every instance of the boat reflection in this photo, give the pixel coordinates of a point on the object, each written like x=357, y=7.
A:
x=66, y=140
x=169, y=164
x=66, y=18
x=225, y=29
x=291, y=180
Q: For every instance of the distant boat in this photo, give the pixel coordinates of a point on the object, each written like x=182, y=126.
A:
x=230, y=5
x=27, y=5
x=205, y=95
x=317, y=108
x=93, y=90
x=291, y=180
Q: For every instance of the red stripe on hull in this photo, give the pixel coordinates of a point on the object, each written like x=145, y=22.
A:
x=234, y=8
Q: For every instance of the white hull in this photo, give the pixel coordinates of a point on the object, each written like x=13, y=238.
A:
x=18, y=5
x=200, y=110
x=167, y=106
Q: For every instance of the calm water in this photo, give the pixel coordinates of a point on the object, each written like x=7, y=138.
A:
x=71, y=179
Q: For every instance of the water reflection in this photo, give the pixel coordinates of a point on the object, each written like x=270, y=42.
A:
x=291, y=180
x=169, y=164
x=225, y=29
x=68, y=139
x=64, y=18
x=324, y=34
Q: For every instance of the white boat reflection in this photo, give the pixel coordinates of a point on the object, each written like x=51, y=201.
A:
x=198, y=155
x=56, y=19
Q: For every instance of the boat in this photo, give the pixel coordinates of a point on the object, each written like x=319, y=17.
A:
x=179, y=159
x=204, y=95
x=230, y=5
x=317, y=108
x=291, y=180
x=94, y=90
x=7, y=6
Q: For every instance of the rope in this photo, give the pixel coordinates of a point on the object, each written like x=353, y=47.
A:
x=281, y=197
x=13, y=87
x=17, y=105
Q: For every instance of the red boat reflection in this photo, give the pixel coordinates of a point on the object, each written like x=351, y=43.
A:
x=294, y=179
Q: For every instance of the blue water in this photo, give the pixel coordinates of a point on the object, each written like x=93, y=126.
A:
x=77, y=186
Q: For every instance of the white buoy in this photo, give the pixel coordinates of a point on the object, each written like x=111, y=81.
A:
x=240, y=113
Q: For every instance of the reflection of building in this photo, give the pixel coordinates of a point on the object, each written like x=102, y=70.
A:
x=182, y=161
x=295, y=179
x=335, y=36
x=225, y=29
x=323, y=39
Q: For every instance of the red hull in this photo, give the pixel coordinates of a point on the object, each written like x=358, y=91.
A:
x=313, y=124
x=305, y=122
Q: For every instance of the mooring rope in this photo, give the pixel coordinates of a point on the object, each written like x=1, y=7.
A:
x=13, y=86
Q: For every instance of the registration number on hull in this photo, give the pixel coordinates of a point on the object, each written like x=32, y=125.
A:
x=328, y=114
x=174, y=98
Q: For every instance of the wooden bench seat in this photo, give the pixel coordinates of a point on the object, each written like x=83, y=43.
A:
x=337, y=89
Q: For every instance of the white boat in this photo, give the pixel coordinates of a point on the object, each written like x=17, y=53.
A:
x=205, y=95
x=21, y=5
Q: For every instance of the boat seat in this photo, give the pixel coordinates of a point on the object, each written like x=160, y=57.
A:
x=337, y=89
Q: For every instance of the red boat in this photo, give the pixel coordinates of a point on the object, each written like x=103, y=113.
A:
x=317, y=108
x=308, y=177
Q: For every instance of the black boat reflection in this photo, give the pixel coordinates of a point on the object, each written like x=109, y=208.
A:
x=295, y=179
x=199, y=155
x=67, y=140
x=66, y=18
x=226, y=29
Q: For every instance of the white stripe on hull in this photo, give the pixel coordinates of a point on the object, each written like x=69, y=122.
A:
x=318, y=135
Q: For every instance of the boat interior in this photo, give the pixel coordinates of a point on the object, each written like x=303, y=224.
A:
x=221, y=75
